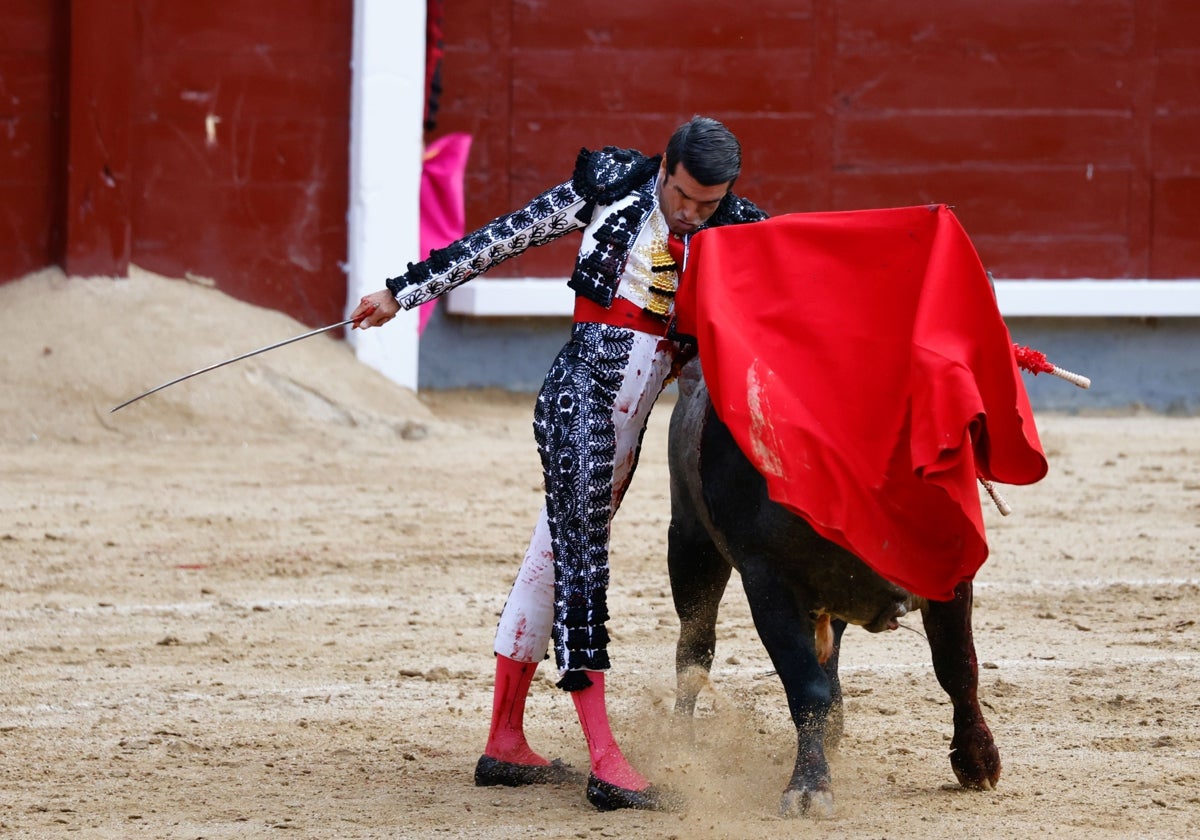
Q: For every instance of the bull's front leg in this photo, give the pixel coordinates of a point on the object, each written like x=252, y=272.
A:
x=699, y=575
x=835, y=722
x=973, y=753
x=786, y=629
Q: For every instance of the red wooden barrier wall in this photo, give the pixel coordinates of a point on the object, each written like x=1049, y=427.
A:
x=212, y=138
x=208, y=138
x=99, y=173
x=1064, y=133
x=242, y=132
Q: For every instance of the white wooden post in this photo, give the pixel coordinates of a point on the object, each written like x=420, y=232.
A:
x=386, y=144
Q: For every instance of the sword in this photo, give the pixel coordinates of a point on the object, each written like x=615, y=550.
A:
x=236, y=359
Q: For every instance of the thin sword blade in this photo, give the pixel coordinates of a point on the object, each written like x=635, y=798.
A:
x=277, y=344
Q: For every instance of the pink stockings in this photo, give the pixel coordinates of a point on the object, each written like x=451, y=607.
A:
x=608, y=762
x=506, y=738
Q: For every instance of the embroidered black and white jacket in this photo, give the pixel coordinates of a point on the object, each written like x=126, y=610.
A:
x=609, y=197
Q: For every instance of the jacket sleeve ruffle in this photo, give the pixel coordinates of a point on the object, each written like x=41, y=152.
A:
x=603, y=176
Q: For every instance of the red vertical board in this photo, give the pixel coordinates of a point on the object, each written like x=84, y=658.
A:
x=241, y=124
x=32, y=75
x=98, y=231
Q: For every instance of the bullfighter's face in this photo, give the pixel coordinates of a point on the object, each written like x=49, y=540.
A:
x=685, y=202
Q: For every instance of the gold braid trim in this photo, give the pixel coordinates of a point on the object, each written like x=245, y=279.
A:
x=664, y=276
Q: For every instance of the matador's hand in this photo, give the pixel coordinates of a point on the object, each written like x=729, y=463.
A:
x=375, y=310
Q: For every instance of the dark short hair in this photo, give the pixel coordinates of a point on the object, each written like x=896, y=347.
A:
x=708, y=151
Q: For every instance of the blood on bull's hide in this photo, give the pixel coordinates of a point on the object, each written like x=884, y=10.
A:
x=722, y=519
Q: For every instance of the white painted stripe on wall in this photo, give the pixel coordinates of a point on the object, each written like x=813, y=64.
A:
x=528, y=296
x=1099, y=298
x=525, y=297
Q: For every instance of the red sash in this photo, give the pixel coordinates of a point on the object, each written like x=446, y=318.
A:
x=622, y=313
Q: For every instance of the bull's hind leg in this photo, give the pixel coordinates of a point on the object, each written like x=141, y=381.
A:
x=786, y=630
x=973, y=753
x=699, y=575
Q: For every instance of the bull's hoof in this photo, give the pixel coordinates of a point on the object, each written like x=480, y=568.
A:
x=606, y=796
x=982, y=784
x=817, y=804
x=683, y=728
x=975, y=759
x=977, y=782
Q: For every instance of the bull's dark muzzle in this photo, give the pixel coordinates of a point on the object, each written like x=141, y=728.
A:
x=889, y=617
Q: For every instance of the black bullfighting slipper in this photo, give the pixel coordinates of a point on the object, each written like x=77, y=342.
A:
x=492, y=771
x=608, y=797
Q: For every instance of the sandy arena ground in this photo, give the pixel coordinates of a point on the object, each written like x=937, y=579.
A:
x=264, y=600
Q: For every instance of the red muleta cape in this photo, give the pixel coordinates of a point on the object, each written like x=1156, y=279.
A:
x=861, y=362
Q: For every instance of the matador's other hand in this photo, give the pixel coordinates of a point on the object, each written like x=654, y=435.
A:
x=375, y=310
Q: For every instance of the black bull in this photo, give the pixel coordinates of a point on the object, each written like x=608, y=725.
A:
x=721, y=519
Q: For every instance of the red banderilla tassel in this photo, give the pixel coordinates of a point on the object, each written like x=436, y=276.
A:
x=1035, y=362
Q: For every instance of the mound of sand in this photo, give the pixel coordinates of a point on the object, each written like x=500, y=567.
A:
x=75, y=347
